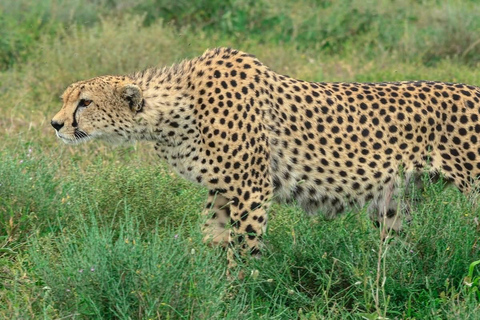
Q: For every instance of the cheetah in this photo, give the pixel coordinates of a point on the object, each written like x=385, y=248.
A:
x=226, y=121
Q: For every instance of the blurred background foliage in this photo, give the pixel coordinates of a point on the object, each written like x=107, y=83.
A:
x=427, y=30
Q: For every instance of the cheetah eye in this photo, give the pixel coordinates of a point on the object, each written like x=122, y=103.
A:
x=84, y=103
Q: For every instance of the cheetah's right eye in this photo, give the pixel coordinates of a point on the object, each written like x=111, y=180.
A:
x=84, y=103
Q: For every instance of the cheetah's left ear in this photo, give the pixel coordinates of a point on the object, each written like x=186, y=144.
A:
x=133, y=95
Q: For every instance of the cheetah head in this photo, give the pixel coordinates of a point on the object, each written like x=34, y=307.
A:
x=102, y=107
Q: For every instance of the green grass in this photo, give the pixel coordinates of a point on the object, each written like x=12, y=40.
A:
x=103, y=232
x=122, y=240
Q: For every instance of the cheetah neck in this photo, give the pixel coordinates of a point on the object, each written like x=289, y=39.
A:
x=167, y=115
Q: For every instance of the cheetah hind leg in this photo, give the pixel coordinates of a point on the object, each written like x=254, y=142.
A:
x=217, y=217
x=390, y=209
x=394, y=207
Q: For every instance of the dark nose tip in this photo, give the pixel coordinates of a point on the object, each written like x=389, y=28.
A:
x=57, y=125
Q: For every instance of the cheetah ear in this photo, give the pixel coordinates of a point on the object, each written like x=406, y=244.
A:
x=133, y=95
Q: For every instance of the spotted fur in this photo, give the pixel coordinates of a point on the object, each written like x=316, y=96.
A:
x=226, y=121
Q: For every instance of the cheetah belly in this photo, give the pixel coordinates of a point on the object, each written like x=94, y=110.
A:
x=311, y=189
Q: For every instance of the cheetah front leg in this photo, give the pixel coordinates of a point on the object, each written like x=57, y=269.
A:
x=217, y=214
x=249, y=221
x=238, y=225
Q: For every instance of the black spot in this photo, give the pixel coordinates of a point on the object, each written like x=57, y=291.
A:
x=391, y=213
x=254, y=206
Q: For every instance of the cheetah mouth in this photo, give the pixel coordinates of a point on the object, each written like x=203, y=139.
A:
x=78, y=137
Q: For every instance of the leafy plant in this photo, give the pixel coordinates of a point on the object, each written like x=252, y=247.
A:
x=473, y=282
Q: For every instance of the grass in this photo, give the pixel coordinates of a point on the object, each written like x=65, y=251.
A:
x=104, y=232
x=94, y=249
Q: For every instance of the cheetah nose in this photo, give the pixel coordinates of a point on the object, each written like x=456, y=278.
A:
x=56, y=125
